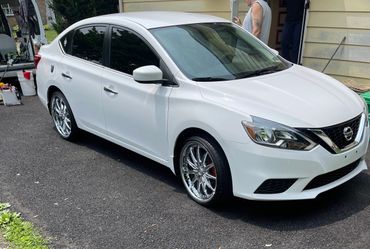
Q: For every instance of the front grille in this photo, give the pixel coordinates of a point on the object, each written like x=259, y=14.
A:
x=335, y=133
x=332, y=176
x=275, y=186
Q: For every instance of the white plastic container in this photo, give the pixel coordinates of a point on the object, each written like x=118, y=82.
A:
x=28, y=86
x=10, y=97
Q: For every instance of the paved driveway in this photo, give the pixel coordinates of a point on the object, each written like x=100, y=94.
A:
x=94, y=194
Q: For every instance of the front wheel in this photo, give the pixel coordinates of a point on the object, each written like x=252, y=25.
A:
x=63, y=117
x=204, y=171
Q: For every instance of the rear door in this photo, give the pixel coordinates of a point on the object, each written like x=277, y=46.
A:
x=80, y=75
x=32, y=33
x=31, y=13
x=28, y=15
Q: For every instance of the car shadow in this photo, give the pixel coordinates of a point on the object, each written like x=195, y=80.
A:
x=131, y=159
x=329, y=207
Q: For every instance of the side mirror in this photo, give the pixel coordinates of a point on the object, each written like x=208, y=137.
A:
x=274, y=51
x=148, y=75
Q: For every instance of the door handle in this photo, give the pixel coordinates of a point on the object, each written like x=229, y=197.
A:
x=66, y=76
x=110, y=90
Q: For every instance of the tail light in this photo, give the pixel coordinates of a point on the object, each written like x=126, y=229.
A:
x=37, y=60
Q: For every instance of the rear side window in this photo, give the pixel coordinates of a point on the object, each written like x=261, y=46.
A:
x=128, y=52
x=88, y=43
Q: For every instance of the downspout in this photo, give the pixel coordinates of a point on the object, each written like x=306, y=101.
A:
x=120, y=5
x=234, y=7
x=303, y=31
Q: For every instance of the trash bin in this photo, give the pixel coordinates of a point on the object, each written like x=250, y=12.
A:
x=27, y=83
x=366, y=96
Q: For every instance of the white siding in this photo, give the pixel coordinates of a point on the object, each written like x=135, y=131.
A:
x=219, y=8
x=330, y=21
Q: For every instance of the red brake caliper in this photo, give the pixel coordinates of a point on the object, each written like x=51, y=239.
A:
x=212, y=172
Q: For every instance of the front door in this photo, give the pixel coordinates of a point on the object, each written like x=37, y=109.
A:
x=136, y=114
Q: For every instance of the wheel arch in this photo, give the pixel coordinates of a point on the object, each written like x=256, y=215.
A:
x=187, y=133
x=52, y=89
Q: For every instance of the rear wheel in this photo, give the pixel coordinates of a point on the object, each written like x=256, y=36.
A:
x=63, y=117
x=204, y=171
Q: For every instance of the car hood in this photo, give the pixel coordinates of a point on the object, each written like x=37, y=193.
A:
x=298, y=97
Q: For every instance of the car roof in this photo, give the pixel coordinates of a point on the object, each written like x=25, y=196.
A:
x=157, y=19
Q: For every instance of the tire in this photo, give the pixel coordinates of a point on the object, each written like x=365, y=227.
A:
x=204, y=171
x=62, y=116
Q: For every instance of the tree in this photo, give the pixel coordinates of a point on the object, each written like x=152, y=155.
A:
x=68, y=12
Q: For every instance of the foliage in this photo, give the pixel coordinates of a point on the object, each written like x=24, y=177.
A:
x=68, y=12
x=50, y=35
x=19, y=233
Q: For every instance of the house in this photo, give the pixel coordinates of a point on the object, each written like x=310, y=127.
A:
x=327, y=23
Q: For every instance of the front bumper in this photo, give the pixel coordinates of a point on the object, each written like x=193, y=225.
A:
x=252, y=164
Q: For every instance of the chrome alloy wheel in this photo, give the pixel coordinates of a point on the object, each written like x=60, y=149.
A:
x=61, y=116
x=198, y=171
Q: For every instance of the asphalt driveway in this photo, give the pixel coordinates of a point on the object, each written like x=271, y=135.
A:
x=94, y=194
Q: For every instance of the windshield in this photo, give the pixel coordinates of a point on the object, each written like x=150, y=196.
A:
x=217, y=51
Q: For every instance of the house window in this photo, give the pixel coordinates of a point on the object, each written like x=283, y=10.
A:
x=7, y=10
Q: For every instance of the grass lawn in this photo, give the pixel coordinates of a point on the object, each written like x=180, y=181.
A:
x=50, y=34
x=17, y=232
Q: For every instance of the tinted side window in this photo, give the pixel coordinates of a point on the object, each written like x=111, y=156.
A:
x=66, y=42
x=88, y=43
x=129, y=52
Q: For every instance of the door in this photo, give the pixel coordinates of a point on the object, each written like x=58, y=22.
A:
x=136, y=114
x=80, y=74
x=34, y=19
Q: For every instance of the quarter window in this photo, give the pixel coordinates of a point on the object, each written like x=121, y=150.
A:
x=129, y=52
x=66, y=42
x=88, y=43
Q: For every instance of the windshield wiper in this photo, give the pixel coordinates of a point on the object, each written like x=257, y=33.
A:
x=209, y=79
x=259, y=72
x=262, y=71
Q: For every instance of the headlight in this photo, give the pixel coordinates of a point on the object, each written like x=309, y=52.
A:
x=268, y=133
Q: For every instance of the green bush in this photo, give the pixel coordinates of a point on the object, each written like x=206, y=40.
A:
x=68, y=12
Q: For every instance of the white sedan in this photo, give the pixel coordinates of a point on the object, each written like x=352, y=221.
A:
x=208, y=100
